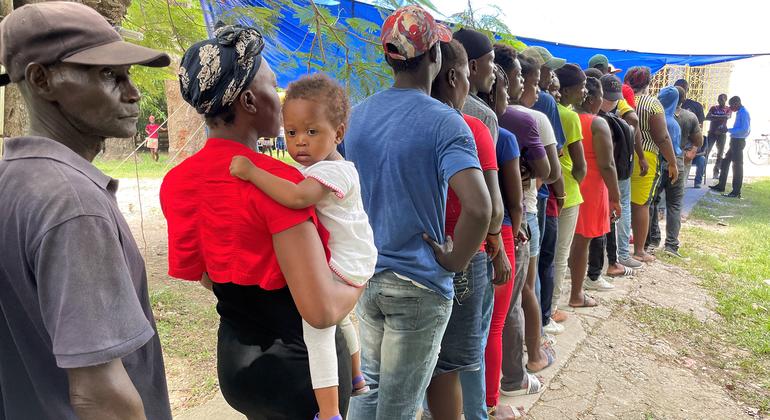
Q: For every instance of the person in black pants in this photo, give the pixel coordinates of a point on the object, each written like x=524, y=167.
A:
x=718, y=115
x=738, y=133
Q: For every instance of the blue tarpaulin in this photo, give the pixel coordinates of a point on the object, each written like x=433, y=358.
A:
x=293, y=36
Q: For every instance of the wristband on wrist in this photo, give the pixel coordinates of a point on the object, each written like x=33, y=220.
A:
x=495, y=234
x=564, y=197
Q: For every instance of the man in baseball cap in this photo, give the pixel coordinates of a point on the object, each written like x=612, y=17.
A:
x=80, y=341
x=548, y=64
x=600, y=62
x=407, y=144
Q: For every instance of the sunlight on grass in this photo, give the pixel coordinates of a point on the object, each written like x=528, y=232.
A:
x=143, y=164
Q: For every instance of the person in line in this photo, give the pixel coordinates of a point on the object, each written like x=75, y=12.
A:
x=738, y=132
x=412, y=290
x=602, y=63
x=599, y=189
x=655, y=141
x=530, y=70
x=152, y=130
x=482, y=77
x=515, y=378
x=266, y=263
x=623, y=154
x=526, y=126
x=669, y=97
x=692, y=136
x=718, y=115
x=690, y=104
x=545, y=104
x=315, y=114
x=507, y=151
x=77, y=333
x=462, y=347
x=573, y=164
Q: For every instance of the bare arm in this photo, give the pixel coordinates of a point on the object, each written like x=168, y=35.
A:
x=514, y=196
x=553, y=161
x=662, y=139
x=321, y=301
x=496, y=221
x=633, y=120
x=575, y=151
x=540, y=168
x=605, y=160
x=473, y=224
x=288, y=194
x=104, y=392
x=696, y=137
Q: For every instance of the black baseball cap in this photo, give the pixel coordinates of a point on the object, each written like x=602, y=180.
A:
x=612, y=87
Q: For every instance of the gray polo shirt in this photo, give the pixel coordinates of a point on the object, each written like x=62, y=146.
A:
x=73, y=286
x=475, y=107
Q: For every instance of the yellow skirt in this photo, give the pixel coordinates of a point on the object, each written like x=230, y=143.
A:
x=643, y=187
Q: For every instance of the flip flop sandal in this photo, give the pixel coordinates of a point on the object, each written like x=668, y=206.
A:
x=585, y=302
x=550, y=355
x=627, y=271
x=533, y=387
x=359, y=386
x=504, y=411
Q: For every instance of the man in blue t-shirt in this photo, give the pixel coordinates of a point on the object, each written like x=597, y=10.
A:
x=408, y=148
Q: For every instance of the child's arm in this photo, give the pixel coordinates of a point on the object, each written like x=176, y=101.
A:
x=294, y=196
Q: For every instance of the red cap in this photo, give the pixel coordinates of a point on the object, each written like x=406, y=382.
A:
x=410, y=32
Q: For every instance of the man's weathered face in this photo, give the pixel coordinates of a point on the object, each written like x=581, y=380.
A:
x=96, y=100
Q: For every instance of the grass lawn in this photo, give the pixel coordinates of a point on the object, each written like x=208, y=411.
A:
x=728, y=242
x=143, y=164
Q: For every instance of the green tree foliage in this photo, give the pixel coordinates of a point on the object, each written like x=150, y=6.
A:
x=168, y=25
x=172, y=26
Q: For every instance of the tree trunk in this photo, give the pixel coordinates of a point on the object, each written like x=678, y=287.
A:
x=186, y=131
x=15, y=116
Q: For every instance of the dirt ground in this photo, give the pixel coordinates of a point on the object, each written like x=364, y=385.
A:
x=631, y=358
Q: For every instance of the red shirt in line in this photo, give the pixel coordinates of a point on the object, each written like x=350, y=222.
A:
x=152, y=130
x=222, y=225
x=485, y=147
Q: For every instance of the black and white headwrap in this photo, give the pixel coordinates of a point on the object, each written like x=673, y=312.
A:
x=215, y=71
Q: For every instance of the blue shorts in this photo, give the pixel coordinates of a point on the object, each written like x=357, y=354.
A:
x=280, y=143
x=534, y=231
x=460, y=346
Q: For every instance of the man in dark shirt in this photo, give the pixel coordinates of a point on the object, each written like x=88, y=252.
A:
x=77, y=335
x=717, y=135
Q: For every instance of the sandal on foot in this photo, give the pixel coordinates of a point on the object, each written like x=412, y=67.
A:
x=505, y=412
x=359, y=386
x=534, y=386
x=588, y=302
x=550, y=357
x=627, y=271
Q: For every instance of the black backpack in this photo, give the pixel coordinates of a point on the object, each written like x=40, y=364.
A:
x=622, y=144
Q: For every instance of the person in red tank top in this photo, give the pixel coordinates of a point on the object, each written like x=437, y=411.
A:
x=601, y=195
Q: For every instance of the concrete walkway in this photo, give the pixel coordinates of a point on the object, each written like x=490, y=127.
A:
x=578, y=326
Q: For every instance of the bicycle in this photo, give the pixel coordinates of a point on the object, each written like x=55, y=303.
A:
x=759, y=150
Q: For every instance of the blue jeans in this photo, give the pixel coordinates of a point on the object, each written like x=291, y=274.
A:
x=623, y=225
x=401, y=327
x=700, y=169
x=461, y=345
x=474, y=383
x=545, y=268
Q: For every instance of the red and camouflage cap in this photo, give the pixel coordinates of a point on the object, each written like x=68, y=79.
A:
x=411, y=31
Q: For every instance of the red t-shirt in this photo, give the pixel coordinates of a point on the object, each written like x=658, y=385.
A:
x=485, y=147
x=223, y=226
x=152, y=130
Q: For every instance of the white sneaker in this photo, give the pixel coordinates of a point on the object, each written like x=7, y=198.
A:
x=553, y=328
x=599, y=284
